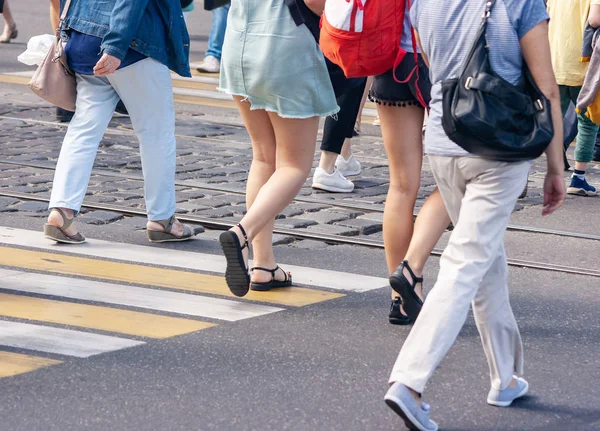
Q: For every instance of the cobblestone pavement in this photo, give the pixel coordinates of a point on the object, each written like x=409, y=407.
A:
x=212, y=164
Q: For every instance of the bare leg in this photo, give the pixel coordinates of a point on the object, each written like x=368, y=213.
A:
x=327, y=161
x=347, y=149
x=295, y=143
x=429, y=226
x=263, y=165
x=54, y=14
x=8, y=18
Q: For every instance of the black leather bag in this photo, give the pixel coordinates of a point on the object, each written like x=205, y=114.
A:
x=491, y=118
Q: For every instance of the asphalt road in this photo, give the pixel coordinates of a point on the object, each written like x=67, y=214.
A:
x=322, y=366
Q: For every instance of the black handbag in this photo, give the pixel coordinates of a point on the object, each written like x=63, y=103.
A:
x=491, y=118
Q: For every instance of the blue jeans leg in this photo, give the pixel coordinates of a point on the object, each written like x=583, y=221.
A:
x=217, y=32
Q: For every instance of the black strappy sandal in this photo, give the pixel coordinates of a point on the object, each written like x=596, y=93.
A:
x=236, y=274
x=411, y=302
x=273, y=284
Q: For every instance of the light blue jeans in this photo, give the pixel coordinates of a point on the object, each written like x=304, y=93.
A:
x=217, y=32
x=146, y=90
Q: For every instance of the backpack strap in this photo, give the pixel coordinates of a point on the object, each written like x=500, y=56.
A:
x=401, y=54
x=301, y=14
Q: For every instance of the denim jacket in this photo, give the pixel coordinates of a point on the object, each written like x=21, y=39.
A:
x=154, y=28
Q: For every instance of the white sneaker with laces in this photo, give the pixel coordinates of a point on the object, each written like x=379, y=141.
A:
x=334, y=182
x=209, y=65
x=348, y=167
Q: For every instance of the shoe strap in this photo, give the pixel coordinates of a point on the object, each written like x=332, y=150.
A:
x=67, y=222
x=167, y=223
x=272, y=271
x=415, y=279
x=246, y=245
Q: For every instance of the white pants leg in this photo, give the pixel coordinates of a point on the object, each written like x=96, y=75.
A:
x=147, y=92
x=96, y=101
x=479, y=196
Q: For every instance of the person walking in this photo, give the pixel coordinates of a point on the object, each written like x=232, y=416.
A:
x=480, y=195
x=568, y=20
x=212, y=59
x=10, y=27
x=401, y=113
x=277, y=75
x=137, y=50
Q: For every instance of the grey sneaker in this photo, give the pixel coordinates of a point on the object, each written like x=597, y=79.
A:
x=416, y=418
x=505, y=397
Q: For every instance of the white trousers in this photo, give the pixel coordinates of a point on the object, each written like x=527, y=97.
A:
x=479, y=196
x=146, y=90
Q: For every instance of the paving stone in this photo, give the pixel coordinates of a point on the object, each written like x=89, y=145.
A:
x=29, y=189
x=375, y=216
x=191, y=208
x=5, y=204
x=290, y=211
x=186, y=195
x=282, y=239
x=215, y=213
x=333, y=230
x=365, y=227
x=365, y=183
x=135, y=222
x=33, y=206
x=109, y=163
x=100, y=217
x=293, y=223
x=127, y=196
x=322, y=217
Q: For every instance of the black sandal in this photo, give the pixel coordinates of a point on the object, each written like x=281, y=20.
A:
x=411, y=302
x=236, y=274
x=396, y=317
x=273, y=284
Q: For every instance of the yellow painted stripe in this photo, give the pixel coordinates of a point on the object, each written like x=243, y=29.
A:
x=205, y=101
x=9, y=79
x=183, y=83
x=152, y=276
x=95, y=317
x=12, y=364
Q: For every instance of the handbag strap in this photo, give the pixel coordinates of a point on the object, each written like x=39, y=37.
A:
x=505, y=92
x=64, y=13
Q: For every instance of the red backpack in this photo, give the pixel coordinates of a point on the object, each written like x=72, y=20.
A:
x=363, y=36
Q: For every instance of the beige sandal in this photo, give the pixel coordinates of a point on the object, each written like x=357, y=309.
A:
x=58, y=233
x=12, y=34
x=167, y=236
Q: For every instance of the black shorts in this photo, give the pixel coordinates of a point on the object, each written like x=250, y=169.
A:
x=386, y=91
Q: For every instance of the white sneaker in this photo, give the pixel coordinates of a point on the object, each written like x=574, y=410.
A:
x=348, y=167
x=335, y=182
x=209, y=65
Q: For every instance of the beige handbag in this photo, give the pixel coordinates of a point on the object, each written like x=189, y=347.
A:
x=53, y=81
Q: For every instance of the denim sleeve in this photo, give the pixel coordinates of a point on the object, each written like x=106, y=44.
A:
x=125, y=19
x=526, y=14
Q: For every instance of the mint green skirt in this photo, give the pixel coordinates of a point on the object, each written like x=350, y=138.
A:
x=274, y=64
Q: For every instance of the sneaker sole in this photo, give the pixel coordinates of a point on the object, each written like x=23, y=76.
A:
x=331, y=189
x=409, y=420
x=508, y=403
x=580, y=192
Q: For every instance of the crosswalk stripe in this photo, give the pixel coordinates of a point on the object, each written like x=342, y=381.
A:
x=94, y=317
x=12, y=364
x=132, y=296
x=151, y=276
x=188, y=260
x=59, y=341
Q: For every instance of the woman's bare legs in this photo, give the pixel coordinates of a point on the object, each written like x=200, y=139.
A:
x=283, y=151
x=429, y=226
x=9, y=22
x=401, y=130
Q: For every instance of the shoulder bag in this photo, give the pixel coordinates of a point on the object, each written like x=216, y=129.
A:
x=491, y=118
x=53, y=81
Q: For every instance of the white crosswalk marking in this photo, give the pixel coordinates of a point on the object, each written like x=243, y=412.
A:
x=130, y=296
x=59, y=341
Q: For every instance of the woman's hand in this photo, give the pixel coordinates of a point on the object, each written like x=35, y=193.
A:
x=106, y=65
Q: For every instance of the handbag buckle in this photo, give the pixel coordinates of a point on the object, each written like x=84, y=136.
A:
x=468, y=82
x=539, y=105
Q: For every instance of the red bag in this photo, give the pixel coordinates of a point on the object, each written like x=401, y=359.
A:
x=363, y=36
